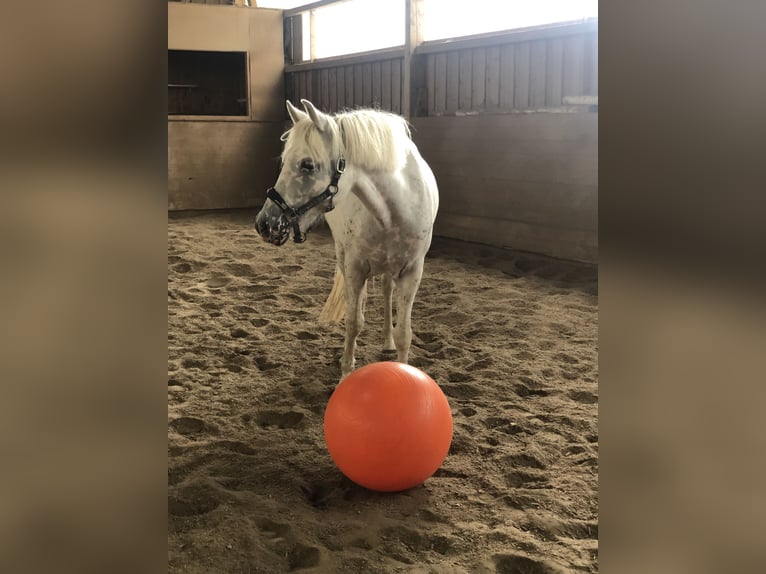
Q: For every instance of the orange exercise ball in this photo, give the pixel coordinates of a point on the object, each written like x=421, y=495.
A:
x=388, y=426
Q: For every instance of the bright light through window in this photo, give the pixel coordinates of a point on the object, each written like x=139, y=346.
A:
x=281, y=4
x=355, y=26
x=361, y=25
x=452, y=18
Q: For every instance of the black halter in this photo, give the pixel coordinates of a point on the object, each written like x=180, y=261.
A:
x=292, y=214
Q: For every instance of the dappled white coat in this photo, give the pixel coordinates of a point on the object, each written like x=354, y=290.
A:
x=384, y=212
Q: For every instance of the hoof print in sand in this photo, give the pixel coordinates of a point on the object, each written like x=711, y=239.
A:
x=583, y=397
x=238, y=333
x=298, y=555
x=517, y=564
x=264, y=364
x=190, y=426
x=279, y=419
x=418, y=541
x=193, y=500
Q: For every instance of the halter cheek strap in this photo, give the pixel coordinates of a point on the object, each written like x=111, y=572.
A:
x=292, y=214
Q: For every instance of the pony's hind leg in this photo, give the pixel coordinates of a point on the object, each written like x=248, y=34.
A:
x=354, y=283
x=406, y=287
x=388, y=326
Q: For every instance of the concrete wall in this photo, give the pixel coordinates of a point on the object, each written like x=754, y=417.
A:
x=216, y=163
x=525, y=181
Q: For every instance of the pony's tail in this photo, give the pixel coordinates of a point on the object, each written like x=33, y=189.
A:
x=334, y=310
x=335, y=307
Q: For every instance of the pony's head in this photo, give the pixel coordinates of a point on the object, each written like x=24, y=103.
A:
x=308, y=178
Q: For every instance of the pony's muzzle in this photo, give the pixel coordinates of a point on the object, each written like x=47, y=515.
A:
x=274, y=230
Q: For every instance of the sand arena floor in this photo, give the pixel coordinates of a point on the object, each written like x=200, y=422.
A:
x=510, y=338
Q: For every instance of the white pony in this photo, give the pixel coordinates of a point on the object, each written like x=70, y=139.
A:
x=362, y=171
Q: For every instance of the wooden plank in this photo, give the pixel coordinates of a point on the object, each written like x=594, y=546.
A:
x=413, y=36
x=577, y=168
x=521, y=77
x=554, y=72
x=377, y=92
x=340, y=87
x=332, y=80
x=492, y=80
x=291, y=87
x=507, y=76
x=207, y=168
x=316, y=94
x=591, y=65
x=349, y=96
x=440, y=84
x=453, y=83
x=574, y=65
x=507, y=37
x=396, y=86
x=464, y=91
x=385, y=85
x=537, y=74
x=561, y=205
x=366, y=85
x=324, y=87
x=430, y=89
x=358, y=88
x=478, y=78
x=572, y=244
x=579, y=128
x=347, y=60
x=297, y=88
x=419, y=89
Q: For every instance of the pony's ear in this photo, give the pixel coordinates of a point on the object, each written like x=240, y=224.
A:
x=295, y=114
x=320, y=120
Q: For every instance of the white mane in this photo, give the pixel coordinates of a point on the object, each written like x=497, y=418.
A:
x=371, y=139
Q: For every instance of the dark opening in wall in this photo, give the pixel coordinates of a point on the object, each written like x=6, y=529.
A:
x=207, y=83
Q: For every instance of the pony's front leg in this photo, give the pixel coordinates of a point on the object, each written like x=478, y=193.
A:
x=388, y=326
x=355, y=282
x=407, y=286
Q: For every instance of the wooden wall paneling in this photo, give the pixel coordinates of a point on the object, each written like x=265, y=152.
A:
x=366, y=85
x=316, y=94
x=521, y=76
x=298, y=93
x=478, y=78
x=377, y=92
x=440, y=83
x=430, y=87
x=324, y=87
x=537, y=73
x=385, y=85
x=419, y=86
x=333, y=84
x=340, y=87
x=492, y=80
x=358, y=86
x=591, y=64
x=453, y=83
x=396, y=86
x=554, y=73
x=507, y=75
x=464, y=90
x=349, y=88
x=574, y=65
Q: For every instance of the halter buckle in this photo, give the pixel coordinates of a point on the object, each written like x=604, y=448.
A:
x=340, y=165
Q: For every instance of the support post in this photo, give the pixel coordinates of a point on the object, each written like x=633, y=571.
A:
x=413, y=37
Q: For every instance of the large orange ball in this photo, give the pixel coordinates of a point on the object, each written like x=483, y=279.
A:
x=388, y=426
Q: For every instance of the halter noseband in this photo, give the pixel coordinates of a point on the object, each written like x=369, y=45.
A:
x=292, y=214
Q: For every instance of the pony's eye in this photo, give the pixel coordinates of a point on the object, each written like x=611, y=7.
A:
x=307, y=165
